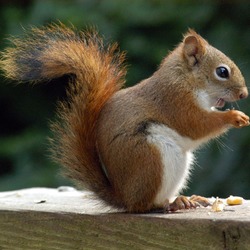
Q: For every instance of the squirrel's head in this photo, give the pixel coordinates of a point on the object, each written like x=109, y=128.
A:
x=217, y=75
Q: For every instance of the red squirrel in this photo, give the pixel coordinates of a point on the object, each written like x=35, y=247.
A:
x=133, y=147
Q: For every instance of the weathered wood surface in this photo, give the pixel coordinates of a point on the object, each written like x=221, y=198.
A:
x=41, y=218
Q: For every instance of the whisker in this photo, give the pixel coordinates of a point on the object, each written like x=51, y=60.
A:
x=221, y=144
x=231, y=103
x=237, y=105
x=235, y=102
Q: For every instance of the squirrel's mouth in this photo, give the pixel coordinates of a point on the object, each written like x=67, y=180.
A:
x=220, y=103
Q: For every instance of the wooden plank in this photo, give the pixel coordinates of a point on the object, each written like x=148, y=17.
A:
x=40, y=218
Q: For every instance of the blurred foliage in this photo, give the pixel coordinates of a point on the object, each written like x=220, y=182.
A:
x=147, y=30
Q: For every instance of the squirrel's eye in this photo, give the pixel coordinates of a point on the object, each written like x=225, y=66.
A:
x=222, y=73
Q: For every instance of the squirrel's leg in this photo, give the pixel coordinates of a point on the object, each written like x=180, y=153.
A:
x=150, y=169
x=213, y=123
x=134, y=171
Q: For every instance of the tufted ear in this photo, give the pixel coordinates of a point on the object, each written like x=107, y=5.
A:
x=194, y=47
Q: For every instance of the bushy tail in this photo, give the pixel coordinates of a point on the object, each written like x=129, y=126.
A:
x=50, y=52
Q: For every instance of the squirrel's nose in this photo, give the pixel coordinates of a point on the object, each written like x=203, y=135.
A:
x=243, y=94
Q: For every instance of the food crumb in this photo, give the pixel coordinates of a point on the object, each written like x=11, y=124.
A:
x=218, y=205
x=234, y=200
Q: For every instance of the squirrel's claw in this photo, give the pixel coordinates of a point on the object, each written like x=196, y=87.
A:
x=181, y=202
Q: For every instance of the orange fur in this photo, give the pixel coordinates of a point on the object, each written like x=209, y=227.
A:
x=101, y=136
x=56, y=50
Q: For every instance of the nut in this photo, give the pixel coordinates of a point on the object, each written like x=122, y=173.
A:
x=218, y=205
x=234, y=200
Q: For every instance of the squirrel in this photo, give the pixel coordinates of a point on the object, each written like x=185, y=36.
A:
x=133, y=147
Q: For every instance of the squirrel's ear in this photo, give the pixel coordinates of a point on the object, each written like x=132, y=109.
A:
x=194, y=48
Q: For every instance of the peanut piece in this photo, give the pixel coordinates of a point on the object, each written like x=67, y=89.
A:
x=234, y=200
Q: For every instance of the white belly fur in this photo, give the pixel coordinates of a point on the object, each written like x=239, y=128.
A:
x=177, y=158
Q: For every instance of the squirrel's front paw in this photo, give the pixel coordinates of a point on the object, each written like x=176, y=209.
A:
x=238, y=119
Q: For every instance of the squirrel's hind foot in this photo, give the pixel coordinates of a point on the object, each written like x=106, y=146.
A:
x=183, y=202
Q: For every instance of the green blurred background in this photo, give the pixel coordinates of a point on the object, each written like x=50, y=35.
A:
x=147, y=30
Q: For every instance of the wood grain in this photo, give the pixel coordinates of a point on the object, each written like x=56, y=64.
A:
x=48, y=219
